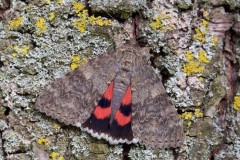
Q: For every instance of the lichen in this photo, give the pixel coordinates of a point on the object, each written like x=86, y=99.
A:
x=47, y=1
x=13, y=24
x=195, y=65
x=20, y=50
x=192, y=67
x=141, y=154
x=204, y=23
x=59, y=1
x=14, y=142
x=215, y=40
x=40, y=26
x=122, y=9
x=3, y=125
x=51, y=16
x=202, y=57
x=200, y=32
x=42, y=141
x=84, y=19
x=236, y=103
x=77, y=60
x=199, y=35
x=116, y=152
x=77, y=7
x=56, y=156
x=186, y=115
x=79, y=146
x=198, y=113
x=160, y=23
x=190, y=117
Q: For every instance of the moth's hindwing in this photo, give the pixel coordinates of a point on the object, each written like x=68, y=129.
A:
x=121, y=126
x=98, y=123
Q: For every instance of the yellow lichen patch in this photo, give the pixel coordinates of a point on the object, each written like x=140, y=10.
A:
x=201, y=79
x=215, y=40
x=198, y=113
x=15, y=23
x=56, y=156
x=205, y=14
x=189, y=123
x=83, y=14
x=202, y=57
x=99, y=21
x=51, y=16
x=42, y=141
x=80, y=24
x=14, y=54
x=186, y=115
x=192, y=67
x=84, y=19
x=158, y=24
x=59, y=1
x=77, y=61
x=189, y=56
x=40, y=25
x=21, y=50
x=236, y=103
x=77, y=7
x=107, y=22
x=199, y=35
x=47, y=1
x=204, y=23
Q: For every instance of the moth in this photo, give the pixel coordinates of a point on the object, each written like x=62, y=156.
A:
x=116, y=97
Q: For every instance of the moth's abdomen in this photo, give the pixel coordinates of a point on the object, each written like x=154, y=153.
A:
x=121, y=82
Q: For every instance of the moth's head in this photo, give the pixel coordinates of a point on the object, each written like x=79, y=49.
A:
x=128, y=60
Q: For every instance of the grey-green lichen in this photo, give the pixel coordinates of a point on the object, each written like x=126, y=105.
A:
x=3, y=125
x=142, y=154
x=116, y=152
x=79, y=146
x=184, y=4
x=14, y=142
x=123, y=8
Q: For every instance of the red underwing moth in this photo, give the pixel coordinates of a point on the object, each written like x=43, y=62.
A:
x=117, y=97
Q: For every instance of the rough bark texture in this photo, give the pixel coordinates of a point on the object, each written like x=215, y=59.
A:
x=195, y=46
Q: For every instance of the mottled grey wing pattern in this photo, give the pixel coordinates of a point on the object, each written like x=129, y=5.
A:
x=155, y=120
x=71, y=99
